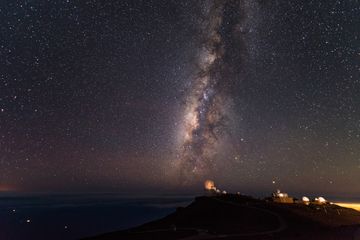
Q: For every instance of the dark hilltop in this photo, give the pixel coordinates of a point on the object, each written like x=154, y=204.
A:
x=234, y=216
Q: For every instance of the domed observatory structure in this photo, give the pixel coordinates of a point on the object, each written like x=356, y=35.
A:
x=209, y=187
x=305, y=200
x=281, y=197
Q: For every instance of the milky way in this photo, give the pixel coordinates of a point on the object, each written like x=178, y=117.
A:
x=206, y=115
x=128, y=95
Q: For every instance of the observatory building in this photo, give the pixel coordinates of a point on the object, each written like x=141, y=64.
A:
x=210, y=188
x=281, y=197
x=320, y=200
x=209, y=185
x=305, y=200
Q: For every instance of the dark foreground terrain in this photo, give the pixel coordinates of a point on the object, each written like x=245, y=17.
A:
x=240, y=217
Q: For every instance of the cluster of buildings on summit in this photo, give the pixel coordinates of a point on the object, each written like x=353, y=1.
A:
x=278, y=196
x=282, y=197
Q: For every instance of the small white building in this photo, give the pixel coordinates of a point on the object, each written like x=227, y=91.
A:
x=320, y=200
x=280, y=194
x=281, y=197
x=305, y=200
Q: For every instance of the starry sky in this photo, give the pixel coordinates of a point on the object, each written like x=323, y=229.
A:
x=160, y=95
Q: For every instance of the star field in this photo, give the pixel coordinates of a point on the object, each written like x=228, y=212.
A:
x=93, y=94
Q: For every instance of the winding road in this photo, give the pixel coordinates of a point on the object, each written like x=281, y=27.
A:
x=203, y=234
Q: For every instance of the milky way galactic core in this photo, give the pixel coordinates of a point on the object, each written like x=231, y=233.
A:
x=206, y=117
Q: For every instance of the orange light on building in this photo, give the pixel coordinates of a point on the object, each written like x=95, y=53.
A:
x=209, y=185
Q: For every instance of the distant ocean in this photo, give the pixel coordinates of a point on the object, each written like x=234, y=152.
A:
x=74, y=216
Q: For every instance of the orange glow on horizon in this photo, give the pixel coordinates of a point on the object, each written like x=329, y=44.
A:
x=355, y=206
x=6, y=188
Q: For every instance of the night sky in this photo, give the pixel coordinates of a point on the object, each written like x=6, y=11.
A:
x=160, y=95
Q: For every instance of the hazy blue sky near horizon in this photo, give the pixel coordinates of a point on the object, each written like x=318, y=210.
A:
x=160, y=95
